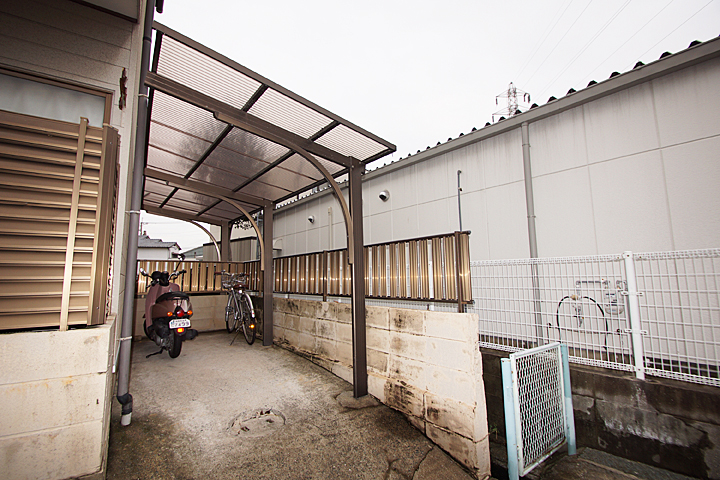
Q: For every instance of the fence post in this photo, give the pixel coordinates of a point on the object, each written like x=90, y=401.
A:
x=510, y=426
x=635, y=330
x=324, y=277
x=567, y=394
x=458, y=280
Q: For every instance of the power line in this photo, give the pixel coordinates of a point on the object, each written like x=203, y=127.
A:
x=666, y=36
x=559, y=41
x=587, y=45
x=549, y=30
x=625, y=43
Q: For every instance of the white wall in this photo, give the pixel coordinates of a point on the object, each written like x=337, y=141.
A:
x=633, y=170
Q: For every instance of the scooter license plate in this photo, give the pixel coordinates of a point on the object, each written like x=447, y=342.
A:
x=180, y=322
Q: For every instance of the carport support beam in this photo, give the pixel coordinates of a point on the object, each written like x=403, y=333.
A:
x=268, y=275
x=225, y=256
x=360, y=380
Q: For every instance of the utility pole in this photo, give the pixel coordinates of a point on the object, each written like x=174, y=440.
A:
x=513, y=107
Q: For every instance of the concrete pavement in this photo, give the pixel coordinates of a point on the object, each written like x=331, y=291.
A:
x=222, y=411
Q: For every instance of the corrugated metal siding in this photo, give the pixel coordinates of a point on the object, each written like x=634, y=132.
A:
x=53, y=198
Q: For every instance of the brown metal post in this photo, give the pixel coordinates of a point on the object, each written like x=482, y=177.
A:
x=225, y=255
x=360, y=379
x=324, y=274
x=267, y=275
x=458, y=280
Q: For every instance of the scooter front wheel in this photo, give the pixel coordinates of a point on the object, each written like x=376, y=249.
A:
x=174, y=344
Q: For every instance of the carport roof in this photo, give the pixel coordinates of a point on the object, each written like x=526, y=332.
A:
x=217, y=128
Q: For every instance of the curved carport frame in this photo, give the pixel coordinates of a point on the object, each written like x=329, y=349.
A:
x=217, y=134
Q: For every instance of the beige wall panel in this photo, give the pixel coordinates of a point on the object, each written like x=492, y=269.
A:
x=630, y=204
x=557, y=143
x=405, y=223
x=434, y=180
x=693, y=182
x=507, y=222
x=438, y=217
x=475, y=219
x=688, y=103
x=501, y=157
x=621, y=124
x=64, y=15
x=564, y=212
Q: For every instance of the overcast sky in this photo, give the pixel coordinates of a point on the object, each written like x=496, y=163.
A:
x=419, y=72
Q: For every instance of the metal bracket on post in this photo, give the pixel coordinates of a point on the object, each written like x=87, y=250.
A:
x=635, y=329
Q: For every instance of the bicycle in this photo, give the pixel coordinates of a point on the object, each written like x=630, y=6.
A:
x=239, y=312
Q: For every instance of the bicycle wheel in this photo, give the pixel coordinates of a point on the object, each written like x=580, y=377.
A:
x=230, y=317
x=580, y=322
x=248, y=321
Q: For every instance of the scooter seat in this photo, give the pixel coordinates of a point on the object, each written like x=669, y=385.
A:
x=172, y=296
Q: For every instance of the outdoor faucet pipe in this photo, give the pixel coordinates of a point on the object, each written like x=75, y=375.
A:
x=123, y=394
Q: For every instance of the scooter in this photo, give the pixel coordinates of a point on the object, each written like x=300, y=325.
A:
x=167, y=313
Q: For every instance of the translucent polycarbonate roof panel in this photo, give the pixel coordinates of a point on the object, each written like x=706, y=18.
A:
x=157, y=187
x=280, y=110
x=298, y=164
x=253, y=146
x=183, y=116
x=200, y=72
x=263, y=190
x=291, y=181
x=195, y=198
x=176, y=141
x=331, y=167
x=153, y=199
x=192, y=87
x=221, y=178
x=230, y=162
x=167, y=161
x=350, y=143
x=222, y=211
x=187, y=207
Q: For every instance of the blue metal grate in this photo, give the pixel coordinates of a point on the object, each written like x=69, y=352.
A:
x=538, y=406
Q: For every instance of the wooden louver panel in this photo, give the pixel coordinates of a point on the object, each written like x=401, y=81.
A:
x=57, y=198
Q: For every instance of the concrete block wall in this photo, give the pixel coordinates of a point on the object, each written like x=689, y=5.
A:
x=424, y=364
x=55, y=398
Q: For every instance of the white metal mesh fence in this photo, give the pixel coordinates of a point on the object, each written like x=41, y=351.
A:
x=584, y=302
x=680, y=309
x=574, y=300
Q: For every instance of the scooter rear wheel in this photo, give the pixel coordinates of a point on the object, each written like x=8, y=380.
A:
x=174, y=344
